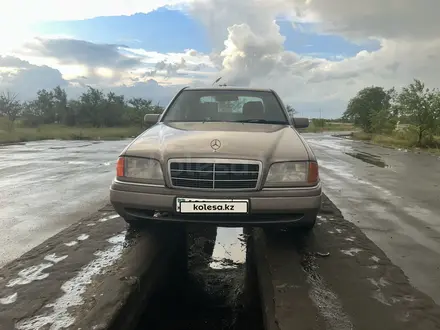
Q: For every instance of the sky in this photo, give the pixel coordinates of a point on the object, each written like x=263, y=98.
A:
x=316, y=54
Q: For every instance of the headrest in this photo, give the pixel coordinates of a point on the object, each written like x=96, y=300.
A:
x=210, y=108
x=205, y=110
x=254, y=109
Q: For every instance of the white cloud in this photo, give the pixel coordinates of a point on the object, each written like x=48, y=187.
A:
x=25, y=78
x=249, y=46
x=395, y=19
x=31, y=11
x=74, y=64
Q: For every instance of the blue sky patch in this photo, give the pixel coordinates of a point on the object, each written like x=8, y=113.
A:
x=162, y=30
x=167, y=30
x=303, y=40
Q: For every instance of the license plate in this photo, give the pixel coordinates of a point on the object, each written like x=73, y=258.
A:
x=189, y=205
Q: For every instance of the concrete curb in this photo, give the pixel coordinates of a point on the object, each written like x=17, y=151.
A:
x=101, y=282
x=264, y=280
x=138, y=275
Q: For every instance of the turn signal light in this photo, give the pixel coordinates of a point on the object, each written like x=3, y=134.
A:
x=313, y=176
x=120, y=167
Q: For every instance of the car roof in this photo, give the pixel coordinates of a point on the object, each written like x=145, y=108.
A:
x=228, y=88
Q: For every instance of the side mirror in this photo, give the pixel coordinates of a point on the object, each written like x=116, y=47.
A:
x=300, y=122
x=151, y=118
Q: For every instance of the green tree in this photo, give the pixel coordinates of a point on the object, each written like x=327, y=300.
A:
x=10, y=107
x=291, y=110
x=158, y=109
x=420, y=106
x=113, y=110
x=46, y=104
x=139, y=108
x=368, y=101
x=383, y=121
x=91, y=107
x=59, y=99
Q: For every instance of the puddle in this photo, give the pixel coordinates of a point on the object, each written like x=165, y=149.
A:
x=368, y=158
x=229, y=250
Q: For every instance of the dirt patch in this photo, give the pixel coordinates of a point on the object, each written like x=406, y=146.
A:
x=336, y=278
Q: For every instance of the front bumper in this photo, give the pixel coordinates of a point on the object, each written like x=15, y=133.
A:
x=267, y=206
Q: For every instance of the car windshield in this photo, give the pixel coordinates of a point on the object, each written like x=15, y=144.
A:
x=240, y=106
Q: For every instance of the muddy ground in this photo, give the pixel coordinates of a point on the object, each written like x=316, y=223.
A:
x=338, y=279
x=332, y=279
x=219, y=292
x=393, y=196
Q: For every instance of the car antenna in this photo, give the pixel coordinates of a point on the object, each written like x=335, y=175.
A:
x=216, y=81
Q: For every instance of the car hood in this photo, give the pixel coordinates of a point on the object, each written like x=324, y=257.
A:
x=267, y=143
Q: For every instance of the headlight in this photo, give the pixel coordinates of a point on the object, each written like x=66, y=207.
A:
x=292, y=173
x=139, y=168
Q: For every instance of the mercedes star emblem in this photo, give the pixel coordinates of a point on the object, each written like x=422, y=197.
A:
x=215, y=144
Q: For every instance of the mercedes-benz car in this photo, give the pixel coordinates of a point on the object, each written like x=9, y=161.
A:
x=226, y=156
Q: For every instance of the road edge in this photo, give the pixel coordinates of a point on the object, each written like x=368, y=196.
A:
x=151, y=278
x=264, y=279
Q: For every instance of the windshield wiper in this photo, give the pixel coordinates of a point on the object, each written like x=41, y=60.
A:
x=262, y=121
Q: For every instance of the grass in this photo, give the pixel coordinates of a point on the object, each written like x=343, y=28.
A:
x=329, y=127
x=60, y=132
x=395, y=141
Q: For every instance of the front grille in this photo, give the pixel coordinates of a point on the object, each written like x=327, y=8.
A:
x=213, y=175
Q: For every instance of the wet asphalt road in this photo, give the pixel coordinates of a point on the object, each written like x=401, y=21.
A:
x=46, y=186
x=393, y=197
